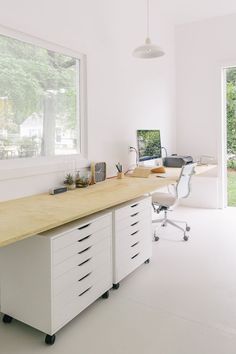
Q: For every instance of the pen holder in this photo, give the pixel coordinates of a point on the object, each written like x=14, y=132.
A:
x=120, y=175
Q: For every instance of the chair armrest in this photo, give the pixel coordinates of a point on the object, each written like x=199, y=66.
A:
x=172, y=189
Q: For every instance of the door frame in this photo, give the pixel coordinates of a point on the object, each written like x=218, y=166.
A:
x=222, y=153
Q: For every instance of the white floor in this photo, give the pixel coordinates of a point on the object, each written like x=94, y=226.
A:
x=183, y=302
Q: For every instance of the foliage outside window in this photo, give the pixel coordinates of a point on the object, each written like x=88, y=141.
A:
x=39, y=101
x=149, y=144
x=231, y=111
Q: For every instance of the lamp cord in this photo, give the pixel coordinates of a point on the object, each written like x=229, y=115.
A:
x=162, y=147
x=132, y=148
x=147, y=18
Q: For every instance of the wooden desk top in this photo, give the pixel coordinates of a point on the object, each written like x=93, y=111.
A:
x=25, y=217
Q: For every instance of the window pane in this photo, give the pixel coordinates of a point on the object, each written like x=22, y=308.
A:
x=39, y=90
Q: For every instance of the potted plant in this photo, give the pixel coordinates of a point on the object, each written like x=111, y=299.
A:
x=69, y=181
x=83, y=179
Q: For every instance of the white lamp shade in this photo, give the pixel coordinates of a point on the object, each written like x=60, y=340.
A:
x=148, y=51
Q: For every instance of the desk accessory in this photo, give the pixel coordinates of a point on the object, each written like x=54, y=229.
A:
x=205, y=160
x=119, y=167
x=100, y=171
x=82, y=182
x=141, y=172
x=159, y=169
x=83, y=178
x=120, y=175
x=58, y=190
x=70, y=182
x=92, y=169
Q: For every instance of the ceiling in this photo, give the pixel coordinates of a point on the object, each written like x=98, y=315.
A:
x=182, y=11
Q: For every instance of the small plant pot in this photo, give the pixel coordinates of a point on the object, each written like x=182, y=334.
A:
x=70, y=187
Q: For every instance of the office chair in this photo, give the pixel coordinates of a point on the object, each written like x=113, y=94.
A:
x=164, y=201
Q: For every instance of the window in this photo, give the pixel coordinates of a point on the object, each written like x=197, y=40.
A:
x=40, y=100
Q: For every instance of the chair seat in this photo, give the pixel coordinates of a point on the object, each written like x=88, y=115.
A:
x=164, y=199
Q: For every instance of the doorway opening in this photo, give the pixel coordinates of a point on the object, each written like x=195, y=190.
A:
x=230, y=82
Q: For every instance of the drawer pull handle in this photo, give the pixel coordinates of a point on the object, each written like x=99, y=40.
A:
x=135, y=256
x=134, y=233
x=134, y=215
x=85, y=291
x=83, y=227
x=135, y=223
x=87, y=275
x=134, y=205
x=87, y=260
x=85, y=238
x=85, y=250
x=135, y=244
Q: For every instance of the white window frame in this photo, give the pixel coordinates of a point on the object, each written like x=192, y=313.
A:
x=222, y=153
x=23, y=167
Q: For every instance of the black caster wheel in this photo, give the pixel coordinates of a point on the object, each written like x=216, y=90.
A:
x=116, y=286
x=147, y=261
x=187, y=228
x=106, y=295
x=50, y=340
x=7, y=319
x=156, y=238
x=185, y=238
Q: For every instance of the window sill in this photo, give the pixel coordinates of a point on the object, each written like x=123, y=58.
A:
x=23, y=168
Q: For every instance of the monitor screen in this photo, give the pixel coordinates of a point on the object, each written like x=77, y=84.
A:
x=149, y=144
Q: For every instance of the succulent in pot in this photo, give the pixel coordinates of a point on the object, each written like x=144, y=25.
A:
x=69, y=181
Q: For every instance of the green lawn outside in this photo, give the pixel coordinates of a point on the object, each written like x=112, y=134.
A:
x=232, y=188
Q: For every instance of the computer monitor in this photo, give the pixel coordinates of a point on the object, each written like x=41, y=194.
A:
x=149, y=144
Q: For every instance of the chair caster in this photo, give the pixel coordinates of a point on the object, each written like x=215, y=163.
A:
x=50, y=340
x=187, y=228
x=116, y=286
x=147, y=261
x=185, y=238
x=7, y=319
x=106, y=295
x=156, y=238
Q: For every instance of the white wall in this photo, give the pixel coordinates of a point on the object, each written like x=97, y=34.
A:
x=202, y=50
x=124, y=93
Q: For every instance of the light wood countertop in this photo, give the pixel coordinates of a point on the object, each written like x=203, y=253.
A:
x=25, y=217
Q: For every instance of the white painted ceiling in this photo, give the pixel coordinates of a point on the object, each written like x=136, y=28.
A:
x=174, y=11
x=182, y=11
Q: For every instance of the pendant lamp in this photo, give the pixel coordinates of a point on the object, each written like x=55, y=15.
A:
x=148, y=50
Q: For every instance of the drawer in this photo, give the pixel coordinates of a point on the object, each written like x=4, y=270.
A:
x=66, y=313
x=67, y=279
x=132, y=230
x=125, y=264
x=132, y=209
x=127, y=253
x=130, y=240
x=81, y=245
x=82, y=258
x=81, y=231
x=81, y=286
x=133, y=220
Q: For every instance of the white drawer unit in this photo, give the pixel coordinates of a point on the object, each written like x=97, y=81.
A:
x=132, y=237
x=50, y=278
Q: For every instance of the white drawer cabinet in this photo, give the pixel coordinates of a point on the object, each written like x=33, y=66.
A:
x=50, y=278
x=132, y=237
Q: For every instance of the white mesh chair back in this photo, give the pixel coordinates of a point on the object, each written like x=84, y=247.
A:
x=183, y=184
